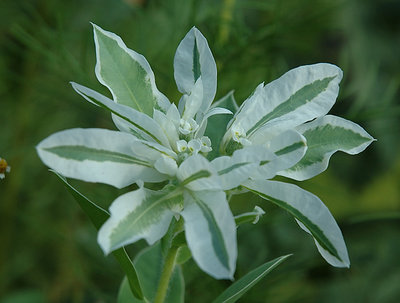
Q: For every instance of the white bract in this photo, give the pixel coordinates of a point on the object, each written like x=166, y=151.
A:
x=281, y=129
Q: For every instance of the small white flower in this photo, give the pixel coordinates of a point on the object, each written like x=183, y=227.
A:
x=187, y=127
x=205, y=144
x=181, y=146
x=194, y=146
x=237, y=133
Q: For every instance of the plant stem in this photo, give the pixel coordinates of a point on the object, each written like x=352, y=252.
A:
x=169, y=266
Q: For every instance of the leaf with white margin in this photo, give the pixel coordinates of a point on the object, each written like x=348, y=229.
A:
x=196, y=173
x=193, y=101
x=100, y=155
x=300, y=95
x=126, y=74
x=241, y=165
x=193, y=58
x=137, y=123
x=140, y=214
x=325, y=136
x=288, y=147
x=313, y=215
x=210, y=231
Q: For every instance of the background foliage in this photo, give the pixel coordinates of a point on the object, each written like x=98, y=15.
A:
x=48, y=249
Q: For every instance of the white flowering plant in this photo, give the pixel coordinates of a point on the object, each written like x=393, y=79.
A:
x=200, y=154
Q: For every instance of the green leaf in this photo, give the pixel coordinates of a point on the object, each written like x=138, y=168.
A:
x=211, y=232
x=126, y=74
x=252, y=216
x=245, y=283
x=325, y=136
x=193, y=59
x=216, y=125
x=300, y=95
x=310, y=213
x=149, y=270
x=139, y=214
x=125, y=118
x=98, y=216
x=99, y=155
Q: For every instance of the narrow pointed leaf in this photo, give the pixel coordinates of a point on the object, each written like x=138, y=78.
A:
x=139, y=214
x=211, y=232
x=99, y=155
x=313, y=215
x=149, y=270
x=245, y=283
x=126, y=118
x=126, y=74
x=252, y=216
x=325, y=136
x=193, y=59
x=300, y=95
x=98, y=216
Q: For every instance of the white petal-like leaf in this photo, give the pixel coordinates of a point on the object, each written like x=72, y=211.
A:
x=211, y=232
x=196, y=173
x=193, y=101
x=139, y=214
x=314, y=216
x=137, y=123
x=325, y=136
x=126, y=74
x=99, y=155
x=300, y=95
x=241, y=165
x=288, y=147
x=193, y=59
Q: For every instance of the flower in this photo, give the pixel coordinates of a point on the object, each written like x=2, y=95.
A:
x=270, y=134
x=4, y=168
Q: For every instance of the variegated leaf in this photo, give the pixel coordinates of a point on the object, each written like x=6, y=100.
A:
x=139, y=214
x=99, y=155
x=325, y=136
x=211, y=232
x=288, y=147
x=193, y=59
x=241, y=165
x=300, y=95
x=125, y=118
x=126, y=74
x=313, y=216
x=196, y=173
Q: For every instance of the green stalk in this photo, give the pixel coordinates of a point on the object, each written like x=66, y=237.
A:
x=169, y=266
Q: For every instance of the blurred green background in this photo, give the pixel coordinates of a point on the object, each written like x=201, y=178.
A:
x=48, y=250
